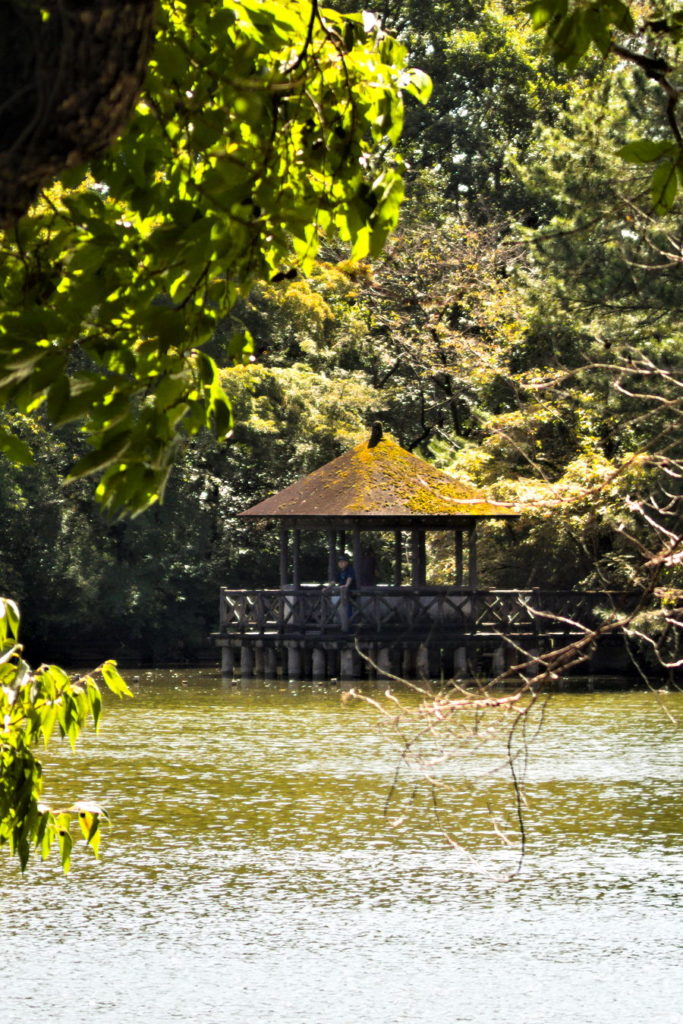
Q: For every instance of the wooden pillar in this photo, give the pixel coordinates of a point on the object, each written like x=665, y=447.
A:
x=296, y=551
x=284, y=555
x=258, y=662
x=398, y=556
x=418, y=557
x=331, y=555
x=383, y=661
x=472, y=559
x=318, y=665
x=343, y=609
x=270, y=663
x=498, y=661
x=348, y=668
x=458, y=558
x=357, y=555
x=246, y=663
x=227, y=661
x=414, y=558
x=293, y=661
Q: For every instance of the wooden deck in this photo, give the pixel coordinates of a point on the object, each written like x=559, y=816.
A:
x=318, y=631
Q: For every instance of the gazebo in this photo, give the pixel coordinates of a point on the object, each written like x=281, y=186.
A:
x=379, y=486
x=404, y=624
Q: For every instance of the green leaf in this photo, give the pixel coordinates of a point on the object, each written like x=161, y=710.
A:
x=65, y=841
x=15, y=449
x=418, y=84
x=9, y=619
x=643, y=151
x=541, y=12
x=664, y=187
x=57, y=397
x=110, y=451
x=114, y=680
x=241, y=347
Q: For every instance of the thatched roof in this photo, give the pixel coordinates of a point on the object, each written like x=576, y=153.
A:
x=379, y=479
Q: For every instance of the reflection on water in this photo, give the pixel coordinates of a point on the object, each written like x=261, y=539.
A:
x=251, y=874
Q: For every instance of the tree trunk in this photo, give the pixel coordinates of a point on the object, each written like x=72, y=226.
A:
x=69, y=79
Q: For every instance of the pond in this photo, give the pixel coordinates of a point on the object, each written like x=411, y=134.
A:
x=252, y=874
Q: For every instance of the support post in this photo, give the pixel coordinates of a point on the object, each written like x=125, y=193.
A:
x=357, y=554
x=227, y=661
x=347, y=663
x=331, y=555
x=472, y=558
x=398, y=557
x=498, y=661
x=318, y=665
x=383, y=661
x=414, y=558
x=458, y=558
x=269, y=663
x=246, y=663
x=296, y=552
x=422, y=557
x=284, y=555
x=293, y=661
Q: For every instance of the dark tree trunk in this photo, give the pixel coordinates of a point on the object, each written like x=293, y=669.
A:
x=68, y=85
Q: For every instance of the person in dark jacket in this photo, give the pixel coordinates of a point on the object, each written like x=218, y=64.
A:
x=346, y=574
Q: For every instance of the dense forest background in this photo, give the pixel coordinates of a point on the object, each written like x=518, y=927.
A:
x=518, y=330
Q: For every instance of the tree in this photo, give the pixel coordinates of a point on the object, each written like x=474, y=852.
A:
x=648, y=37
x=260, y=127
x=493, y=83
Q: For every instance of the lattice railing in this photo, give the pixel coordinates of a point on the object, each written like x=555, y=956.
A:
x=412, y=610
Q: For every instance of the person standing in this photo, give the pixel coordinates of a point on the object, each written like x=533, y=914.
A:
x=346, y=574
x=346, y=581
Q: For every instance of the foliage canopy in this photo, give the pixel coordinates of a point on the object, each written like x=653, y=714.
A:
x=262, y=126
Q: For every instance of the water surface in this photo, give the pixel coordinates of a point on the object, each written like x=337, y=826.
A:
x=251, y=872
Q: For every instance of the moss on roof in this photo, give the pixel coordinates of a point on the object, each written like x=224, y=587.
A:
x=380, y=479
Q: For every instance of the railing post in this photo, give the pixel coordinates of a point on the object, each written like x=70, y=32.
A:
x=259, y=617
x=344, y=608
x=536, y=599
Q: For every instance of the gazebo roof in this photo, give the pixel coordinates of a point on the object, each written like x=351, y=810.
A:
x=379, y=479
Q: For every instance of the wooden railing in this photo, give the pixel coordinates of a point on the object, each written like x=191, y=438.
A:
x=391, y=611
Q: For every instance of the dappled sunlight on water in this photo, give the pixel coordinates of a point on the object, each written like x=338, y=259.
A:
x=251, y=874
